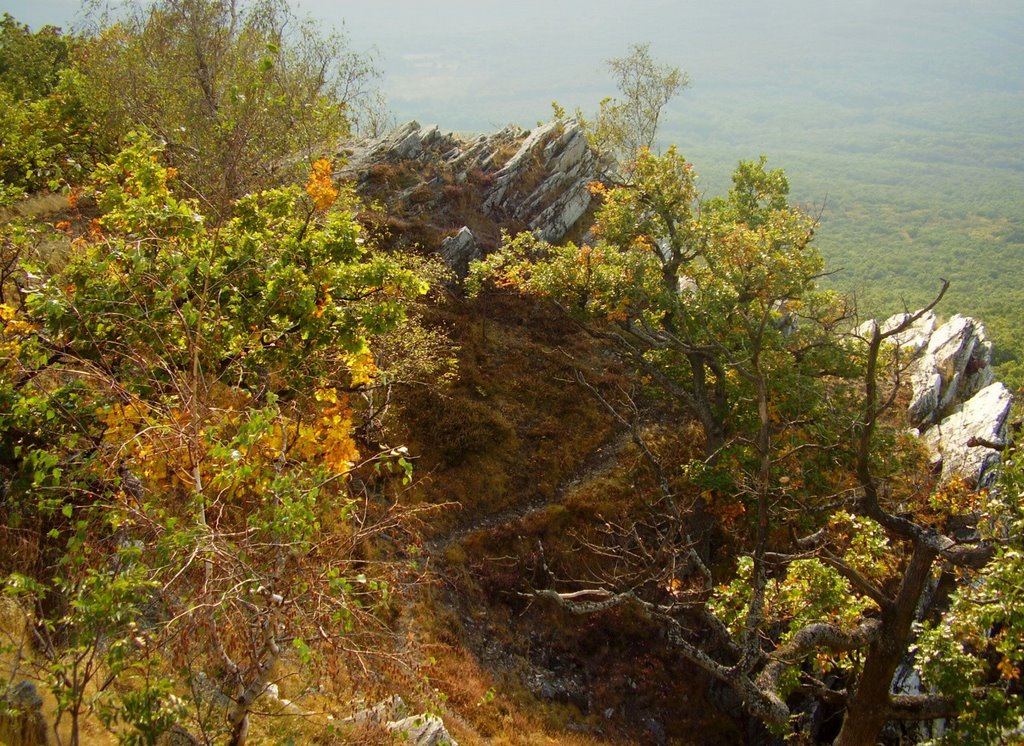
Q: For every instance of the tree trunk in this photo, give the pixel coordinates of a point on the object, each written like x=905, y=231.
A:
x=869, y=710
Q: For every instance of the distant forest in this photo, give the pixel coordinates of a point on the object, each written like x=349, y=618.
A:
x=916, y=179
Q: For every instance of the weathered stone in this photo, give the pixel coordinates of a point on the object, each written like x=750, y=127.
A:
x=954, y=364
x=423, y=730
x=392, y=714
x=954, y=400
x=926, y=385
x=982, y=418
x=391, y=709
x=517, y=166
x=543, y=185
x=406, y=142
x=546, y=183
x=458, y=251
x=916, y=338
x=949, y=350
x=484, y=151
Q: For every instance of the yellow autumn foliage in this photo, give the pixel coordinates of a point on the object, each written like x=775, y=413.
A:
x=362, y=368
x=320, y=187
x=327, y=438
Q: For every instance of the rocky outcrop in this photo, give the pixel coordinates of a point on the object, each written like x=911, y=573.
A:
x=459, y=250
x=422, y=730
x=392, y=714
x=962, y=442
x=546, y=183
x=513, y=179
x=954, y=365
x=957, y=407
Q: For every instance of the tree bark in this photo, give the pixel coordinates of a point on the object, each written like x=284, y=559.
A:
x=870, y=706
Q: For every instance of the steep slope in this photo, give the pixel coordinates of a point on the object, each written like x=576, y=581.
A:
x=536, y=476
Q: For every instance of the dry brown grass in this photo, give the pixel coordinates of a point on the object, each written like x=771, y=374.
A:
x=480, y=707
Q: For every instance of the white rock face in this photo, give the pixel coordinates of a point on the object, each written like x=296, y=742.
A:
x=915, y=338
x=926, y=383
x=459, y=250
x=392, y=714
x=954, y=364
x=423, y=730
x=955, y=402
x=544, y=184
x=981, y=418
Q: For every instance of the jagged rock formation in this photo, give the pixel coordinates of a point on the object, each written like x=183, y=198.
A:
x=962, y=442
x=958, y=408
x=459, y=250
x=954, y=364
x=392, y=714
x=422, y=730
x=546, y=183
x=468, y=190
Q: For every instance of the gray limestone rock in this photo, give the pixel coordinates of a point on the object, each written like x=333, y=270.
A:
x=954, y=364
x=393, y=715
x=387, y=710
x=951, y=442
x=926, y=385
x=955, y=401
x=459, y=250
x=423, y=730
x=544, y=184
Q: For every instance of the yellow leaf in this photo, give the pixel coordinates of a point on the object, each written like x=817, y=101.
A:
x=320, y=187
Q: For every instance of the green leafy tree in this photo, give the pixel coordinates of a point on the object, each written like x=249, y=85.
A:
x=49, y=138
x=185, y=391
x=689, y=289
x=624, y=126
x=31, y=64
x=245, y=94
x=715, y=304
x=975, y=653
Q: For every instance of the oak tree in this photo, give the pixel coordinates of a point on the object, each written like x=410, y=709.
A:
x=245, y=94
x=715, y=305
x=182, y=439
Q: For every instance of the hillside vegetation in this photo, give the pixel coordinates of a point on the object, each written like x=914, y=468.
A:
x=277, y=466
x=911, y=156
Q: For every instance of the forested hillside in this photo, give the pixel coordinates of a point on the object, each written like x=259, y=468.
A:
x=900, y=205
x=902, y=127
x=316, y=433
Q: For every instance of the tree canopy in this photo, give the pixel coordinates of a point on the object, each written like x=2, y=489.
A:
x=714, y=304
x=195, y=358
x=625, y=125
x=180, y=396
x=246, y=95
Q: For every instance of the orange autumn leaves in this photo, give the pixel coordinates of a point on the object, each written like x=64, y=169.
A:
x=162, y=445
x=320, y=187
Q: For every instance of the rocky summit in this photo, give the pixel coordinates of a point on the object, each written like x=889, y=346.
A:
x=469, y=189
x=958, y=408
x=460, y=193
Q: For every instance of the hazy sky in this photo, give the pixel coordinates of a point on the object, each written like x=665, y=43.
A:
x=765, y=76
x=477, y=64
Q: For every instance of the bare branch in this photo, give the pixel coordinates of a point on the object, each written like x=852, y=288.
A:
x=811, y=638
x=921, y=707
x=761, y=704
